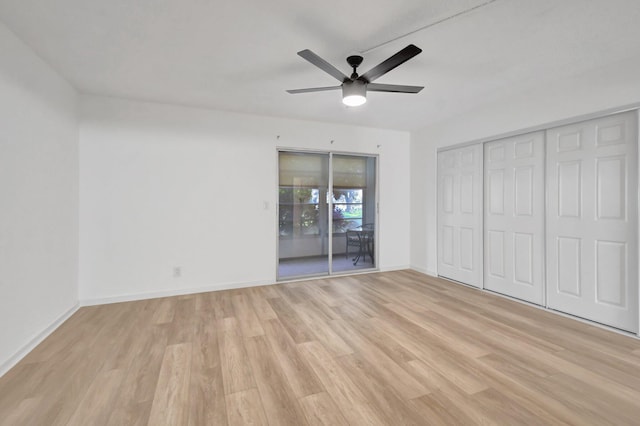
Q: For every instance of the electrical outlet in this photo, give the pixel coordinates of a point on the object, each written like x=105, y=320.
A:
x=177, y=271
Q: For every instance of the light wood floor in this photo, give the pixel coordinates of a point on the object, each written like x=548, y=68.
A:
x=392, y=348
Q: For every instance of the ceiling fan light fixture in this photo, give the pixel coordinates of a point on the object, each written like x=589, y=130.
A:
x=354, y=93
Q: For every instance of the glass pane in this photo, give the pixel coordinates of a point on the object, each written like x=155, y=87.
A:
x=341, y=226
x=303, y=240
x=349, y=171
x=354, y=212
x=285, y=220
x=286, y=195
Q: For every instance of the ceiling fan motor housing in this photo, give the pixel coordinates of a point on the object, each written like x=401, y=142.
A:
x=354, y=62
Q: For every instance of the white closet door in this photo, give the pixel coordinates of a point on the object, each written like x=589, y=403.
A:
x=460, y=214
x=592, y=249
x=514, y=217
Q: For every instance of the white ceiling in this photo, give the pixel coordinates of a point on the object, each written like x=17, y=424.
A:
x=241, y=55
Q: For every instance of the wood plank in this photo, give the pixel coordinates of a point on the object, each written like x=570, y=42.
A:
x=247, y=318
x=141, y=378
x=165, y=311
x=431, y=407
x=244, y=408
x=396, y=376
x=300, y=376
x=182, y=328
x=236, y=368
x=383, y=396
x=22, y=413
x=170, y=402
x=260, y=304
x=319, y=409
x=322, y=331
x=95, y=407
x=206, y=393
x=278, y=399
x=346, y=393
x=296, y=328
x=452, y=340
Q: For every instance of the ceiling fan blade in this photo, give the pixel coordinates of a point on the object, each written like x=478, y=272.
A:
x=396, y=88
x=387, y=65
x=313, y=89
x=323, y=65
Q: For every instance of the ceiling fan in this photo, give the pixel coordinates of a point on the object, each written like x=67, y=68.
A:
x=355, y=87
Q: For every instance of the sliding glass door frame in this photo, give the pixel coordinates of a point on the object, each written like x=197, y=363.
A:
x=329, y=196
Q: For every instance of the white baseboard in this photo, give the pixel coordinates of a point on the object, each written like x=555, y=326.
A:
x=35, y=341
x=206, y=288
x=394, y=268
x=424, y=271
x=172, y=292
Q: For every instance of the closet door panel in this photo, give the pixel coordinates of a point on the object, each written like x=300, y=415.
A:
x=460, y=214
x=514, y=216
x=592, y=248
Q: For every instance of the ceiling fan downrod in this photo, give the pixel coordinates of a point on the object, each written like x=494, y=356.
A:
x=354, y=62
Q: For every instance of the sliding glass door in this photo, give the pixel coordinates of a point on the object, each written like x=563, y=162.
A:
x=326, y=213
x=354, y=212
x=302, y=214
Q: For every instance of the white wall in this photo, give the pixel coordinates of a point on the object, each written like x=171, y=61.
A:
x=164, y=186
x=606, y=87
x=39, y=199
